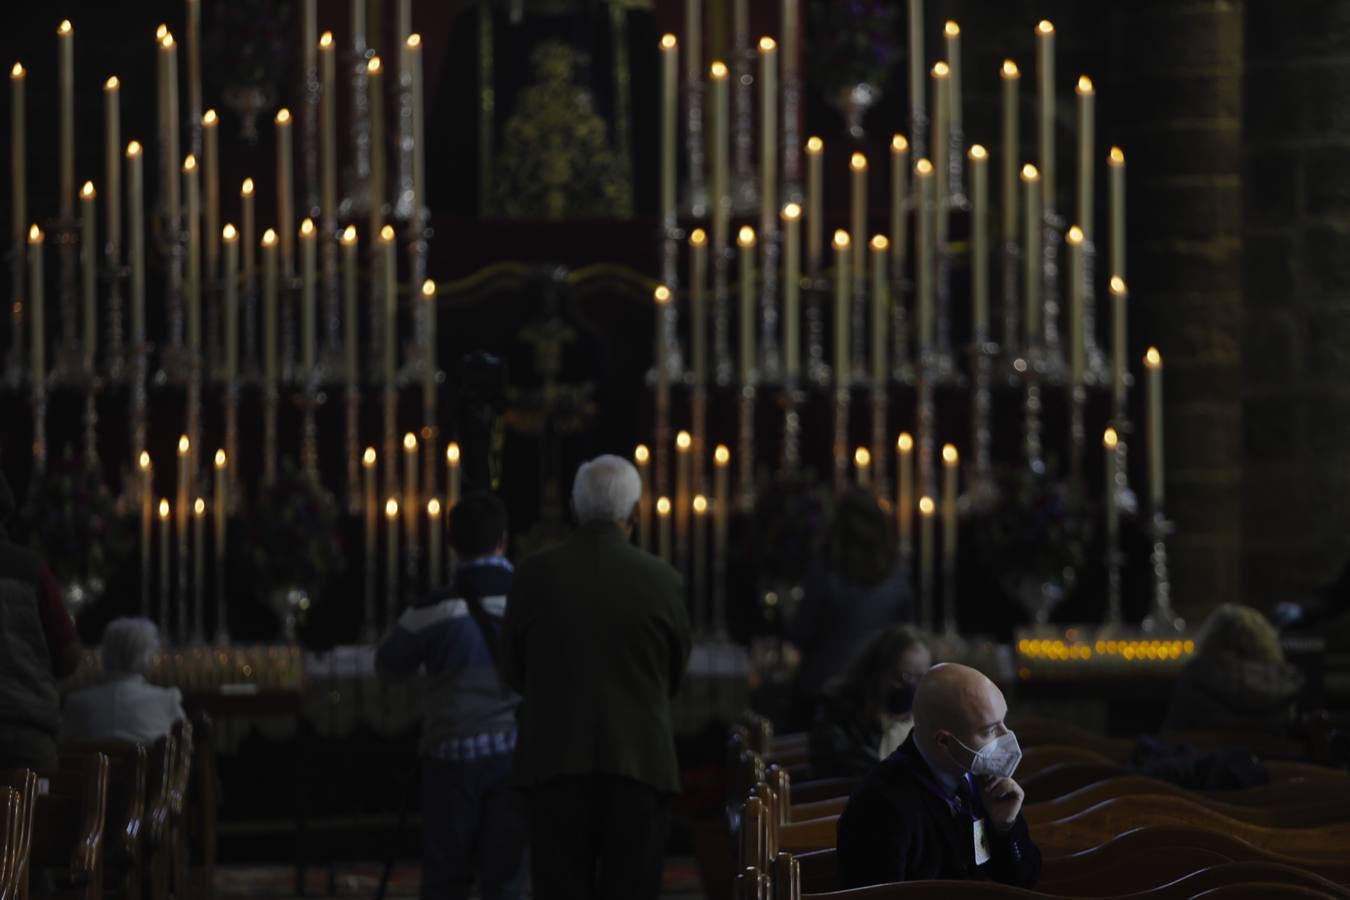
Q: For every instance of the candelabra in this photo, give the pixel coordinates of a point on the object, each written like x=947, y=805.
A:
x=818, y=371
x=745, y=450
x=902, y=368
x=770, y=360
x=1031, y=437
x=1011, y=272
x=1161, y=618
x=1097, y=371
x=840, y=448
x=64, y=232
x=115, y=351
x=792, y=398
x=1052, y=366
x=983, y=488
x=357, y=201
x=723, y=367
x=694, y=148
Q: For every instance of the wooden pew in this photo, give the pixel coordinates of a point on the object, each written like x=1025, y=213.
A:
x=1066, y=777
x=12, y=859
x=1038, y=759
x=127, y=763
x=203, y=808
x=68, y=823
x=156, y=853
x=1298, y=810
x=180, y=773
x=24, y=783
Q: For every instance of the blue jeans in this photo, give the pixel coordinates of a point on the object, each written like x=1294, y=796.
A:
x=473, y=823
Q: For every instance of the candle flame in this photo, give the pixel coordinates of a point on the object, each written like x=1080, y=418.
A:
x=792, y=212
x=325, y=40
x=669, y=42
x=16, y=71
x=143, y=461
x=698, y=237
x=189, y=163
x=307, y=227
x=269, y=238
x=65, y=27
x=718, y=70
x=452, y=453
x=683, y=441
x=949, y=455
x=858, y=162
x=167, y=41
x=1030, y=173
x=410, y=441
x=941, y=69
x=391, y=508
x=387, y=233
x=700, y=504
x=1116, y=156
x=663, y=506
x=1045, y=26
x=368, y=458
x=951, y=29
x=184, y=445
x=429, y=289
x=209, y=118
x=814, y=145
x=1153, y=359
x=767, y=44
x=746, y=236
x=899, y=143
x=1010, y=69
x=414, y=41
x=220, y=459
x=1075, y=235
x=283, y=116
x=1110, y=439
x=87, y=191
x=160, y=31
x=134, y=148
x=879, y=242
x=1118, y=285
x=228, y=233
x=904, y=443
x=923, y=168
x=661, y=294
x=642, y=454
x=841, y=239
x=926, y=506
x=199, y=507
x=977, y=151
x=721, y=455
x=1084, y=85
x=246, y=190
x=34, y=234
x=163, y=507
x=373, y=66
x=349, y=235
x=112, y=83
x=433, y=507
x=862, y=457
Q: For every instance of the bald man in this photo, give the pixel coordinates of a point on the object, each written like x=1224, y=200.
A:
x=944, y=805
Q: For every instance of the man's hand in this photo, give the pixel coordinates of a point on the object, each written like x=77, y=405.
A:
x=1002, y=800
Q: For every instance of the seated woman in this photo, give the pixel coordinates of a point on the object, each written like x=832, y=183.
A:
x=862, y=718
x=1238, y=680
x=125, y=707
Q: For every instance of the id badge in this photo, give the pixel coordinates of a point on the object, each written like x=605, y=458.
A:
x=981, y=835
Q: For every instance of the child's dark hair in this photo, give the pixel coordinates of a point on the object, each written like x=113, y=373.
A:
x=478, y=523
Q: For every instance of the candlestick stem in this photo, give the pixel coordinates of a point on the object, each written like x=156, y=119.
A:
x=745, y=451
x=1161, y=619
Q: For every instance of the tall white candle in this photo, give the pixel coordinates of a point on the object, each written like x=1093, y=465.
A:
x=147, y=522
x=942, y=149
x=642, y=458
x=698, y=319
x=899, y=198
x=881, y=310
x=220, y=507
x=378, y=181
x=136, y=239
x=433, y=542
x=211, y=193
x=745, y=243
x=684, y=443
x=1045, y=71
x=198, y=563
x=350, y=326
x=328, y=129
x=857, y=166
x=923, y=174
x=950, y=471
x=391, y=556
x=413, y=50
x=670, y=78
x=721, y=503
x=721, y=146
x=1031, y=236
x=168, y=70
x=165, y=585
x=843, y=298
x=1077, y=359
x=194, y=60
x=112, y=168
x=1153, y=366
x=699, y=575
x=768, y=132
x=411, y=499
x=1087, y=98
x=230, y=238
x=246, y=218
x=815, y=205
x=862, y=466
x=192, y=191
x=269, y=253
x=1110, y=441
x=951, y=34
x=371, y=528
x=285, y=192
x=36, y=319
x=18, y=157
x=792, y=277
x=926, y=510
x=390, y=307
x=917, y=66
x=1009, y=141
x=89, y=269
x=979, y=228
x=451, y=475
x=1120, y=296
x=904, y=493
x=308, y=313
x=65, y=43
x=663, y=523
x=1116, y=163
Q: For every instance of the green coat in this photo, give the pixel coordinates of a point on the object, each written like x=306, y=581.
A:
x=596, y=639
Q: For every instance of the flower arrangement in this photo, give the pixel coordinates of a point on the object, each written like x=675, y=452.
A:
x=293, y=534
x=73, y=520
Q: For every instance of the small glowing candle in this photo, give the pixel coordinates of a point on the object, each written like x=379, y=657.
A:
x=112, y=168
x=926, y=510
x=792, y=279
x=745, y=242
x=951, y=33
x=390, y=307
x=979, y=226
x=350, y=326
x=183, y=510
x=169, y=122
x=65, y=42
x=683, y=478
x=1031, y=236
x=285, y=194
x=661, y=295
x=881, y=309
x=410, y=493
x=433, y=541
x=89, y=269
x=942, y=147
x=198, y=563
x=192, y=190
x=1087, y=97
x=211, y=190
x=904, y=494
x=147, y=521
x=700, y=567
x=36, y=318
x=642, y=457
x=269, y=247
x=308, y=313
x=1077, y=359
x=222, y=506
x=698, y=324
x=721, y=144
x=429, y=371
x=327, y=128
x=413, y=51
x=451, y=475
x=843, y=298
x=663, y=518
x=1116, y=163
x=1011, y=78
x=857, y=166
x=375, y=87
x=1110, y=441
x=18, y=155
x=136, y=239
x=1153, y=364
x=391, y=558
x=1120, y=295
x=246, y=192
x=923, y=174
x=815, y=205
x=862, y=464
x=371, y=526
x=229, y=237
x=950, y=469
x=721, y=509
x=899, y=198
x=165, y=585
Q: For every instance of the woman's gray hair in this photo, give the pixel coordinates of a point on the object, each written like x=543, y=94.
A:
x=606, y=489
x=129, y=646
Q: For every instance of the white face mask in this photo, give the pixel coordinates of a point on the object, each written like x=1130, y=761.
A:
x=998, y=758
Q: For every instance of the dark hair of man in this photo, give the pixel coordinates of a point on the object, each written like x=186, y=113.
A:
x=477, y=524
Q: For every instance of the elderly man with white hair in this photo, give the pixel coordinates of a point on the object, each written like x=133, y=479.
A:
x=596, y=639
x=125, y=707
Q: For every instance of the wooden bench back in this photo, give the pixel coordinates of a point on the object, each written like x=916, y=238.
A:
x=128, y=770
x=11, y=841
x=1278, y=812
x=24, y=783
x=1038, y=759
x=68, y=824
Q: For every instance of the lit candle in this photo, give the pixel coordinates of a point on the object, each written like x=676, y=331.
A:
x=721, y=145
x=923, y=174
x=410, y=493
x=926, y=510
x=1031, y=236
x=247, y=232
x=745, y=241
x=950, y=468
x=429, y=373
x=390, y=307
x=36, y=318
x=683, y=476
x=112, y=168
x=451, y=475
x=862, y=464
x=269, y=247
x=391, y=558
x=18, y=156
x=198, y=563
x=857, y=166
x=1011, y=77
x=433, y=541
x=670, y=83
x=698, y=324
x=942, y=145
x=194, y=58
x=916, y=67
x=221, y=507
x=414, y=60
x=843, y=292
x=815, y=205
x=308, y=322
x=371, y=525
x=700, y=576
x=663, y=518
x=979, y=227
x=1074, y=239
x=211, y=188
x=792, y=280
x=904, y=494
x=192, y=190
x=643, y=457
x=350, y=326
x=951, y=33
x=375, y=87
x=147, y=521
x=1045, y=70
x=881, y=308
x=285, y=194
x=1154, y=365
x=899, y=197
x=230, y=238
x=168, y=99
x=1087, y=97
x=1110, y=440
x=136, y=245
x=183, y=510
x=165, y=585
x=661, y=295
x=89, y=269
x=768, y=130
x=721, y=509
x=1119, y=335
x=327, y=128
x=65, y=43
x=1116, y=163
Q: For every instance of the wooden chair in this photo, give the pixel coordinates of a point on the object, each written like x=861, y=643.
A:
x=24, y=783
x=1276, y=813
x=128, y=763
x=156, y=854
x=68, y=824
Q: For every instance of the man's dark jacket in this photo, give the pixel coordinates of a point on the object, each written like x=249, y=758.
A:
x=900, y=825
x=596, y=639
